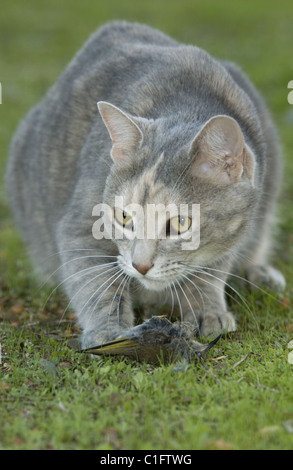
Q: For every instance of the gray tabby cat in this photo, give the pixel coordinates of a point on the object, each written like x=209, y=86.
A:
x=175, y=127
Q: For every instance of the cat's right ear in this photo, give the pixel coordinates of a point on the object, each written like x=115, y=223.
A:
x=125, y=134
x=221, y=155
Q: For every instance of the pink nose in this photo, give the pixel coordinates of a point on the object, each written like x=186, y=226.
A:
x=142, y=268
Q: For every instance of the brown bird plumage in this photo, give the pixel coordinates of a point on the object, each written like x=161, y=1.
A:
x=155, y=341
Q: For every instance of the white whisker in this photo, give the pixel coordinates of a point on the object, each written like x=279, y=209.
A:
x=123, y=282
x=95, y=292
x=187, y=299
x=197, y=288
x=70, y=261
x=123, y=287
x=229, y=274
x=179, y=303
x=192, y=273
x=85, y=271
x=118, y=274
x=88, y=282
x=173, y=303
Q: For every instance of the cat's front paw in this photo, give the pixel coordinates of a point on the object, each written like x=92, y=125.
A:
x=266, y=276
x=92, y=339
x=214, y=324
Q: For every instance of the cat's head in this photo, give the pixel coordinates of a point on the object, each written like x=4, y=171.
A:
x=208, y=176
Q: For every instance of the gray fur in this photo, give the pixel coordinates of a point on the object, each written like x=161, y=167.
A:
x=61, y=167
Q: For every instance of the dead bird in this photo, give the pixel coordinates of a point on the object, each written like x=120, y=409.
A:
x=155, y=341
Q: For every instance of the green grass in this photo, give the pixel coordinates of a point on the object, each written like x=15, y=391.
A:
x=51, y=397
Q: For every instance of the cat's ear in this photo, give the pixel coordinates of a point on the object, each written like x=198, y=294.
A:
x=220, y=154
x=125, y=134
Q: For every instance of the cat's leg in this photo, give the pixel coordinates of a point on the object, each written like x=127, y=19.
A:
x=203, y=303
x=257, y=268
x=106, y=319
x=97, y=291
x=265, y=275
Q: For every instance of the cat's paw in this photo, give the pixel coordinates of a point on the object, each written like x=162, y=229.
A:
x=213, y=324
x=92, y=339
x=266, y=276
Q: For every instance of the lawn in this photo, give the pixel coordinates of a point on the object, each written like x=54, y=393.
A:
x=52, y=397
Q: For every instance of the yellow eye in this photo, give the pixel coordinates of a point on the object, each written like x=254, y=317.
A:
x=180, y=224
x=123, y=218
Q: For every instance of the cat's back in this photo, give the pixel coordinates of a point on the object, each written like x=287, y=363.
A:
x=116, y=54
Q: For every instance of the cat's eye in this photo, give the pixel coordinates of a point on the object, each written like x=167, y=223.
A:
x=123, y=218
x=180, y=224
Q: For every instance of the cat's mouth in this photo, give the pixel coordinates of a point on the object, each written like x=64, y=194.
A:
x=151, y=280
x=153, y=284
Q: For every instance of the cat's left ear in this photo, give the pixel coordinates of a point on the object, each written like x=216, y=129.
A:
x=125, y=134
x=220, y=154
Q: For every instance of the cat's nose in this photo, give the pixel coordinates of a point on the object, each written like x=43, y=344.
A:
x=142, y=268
